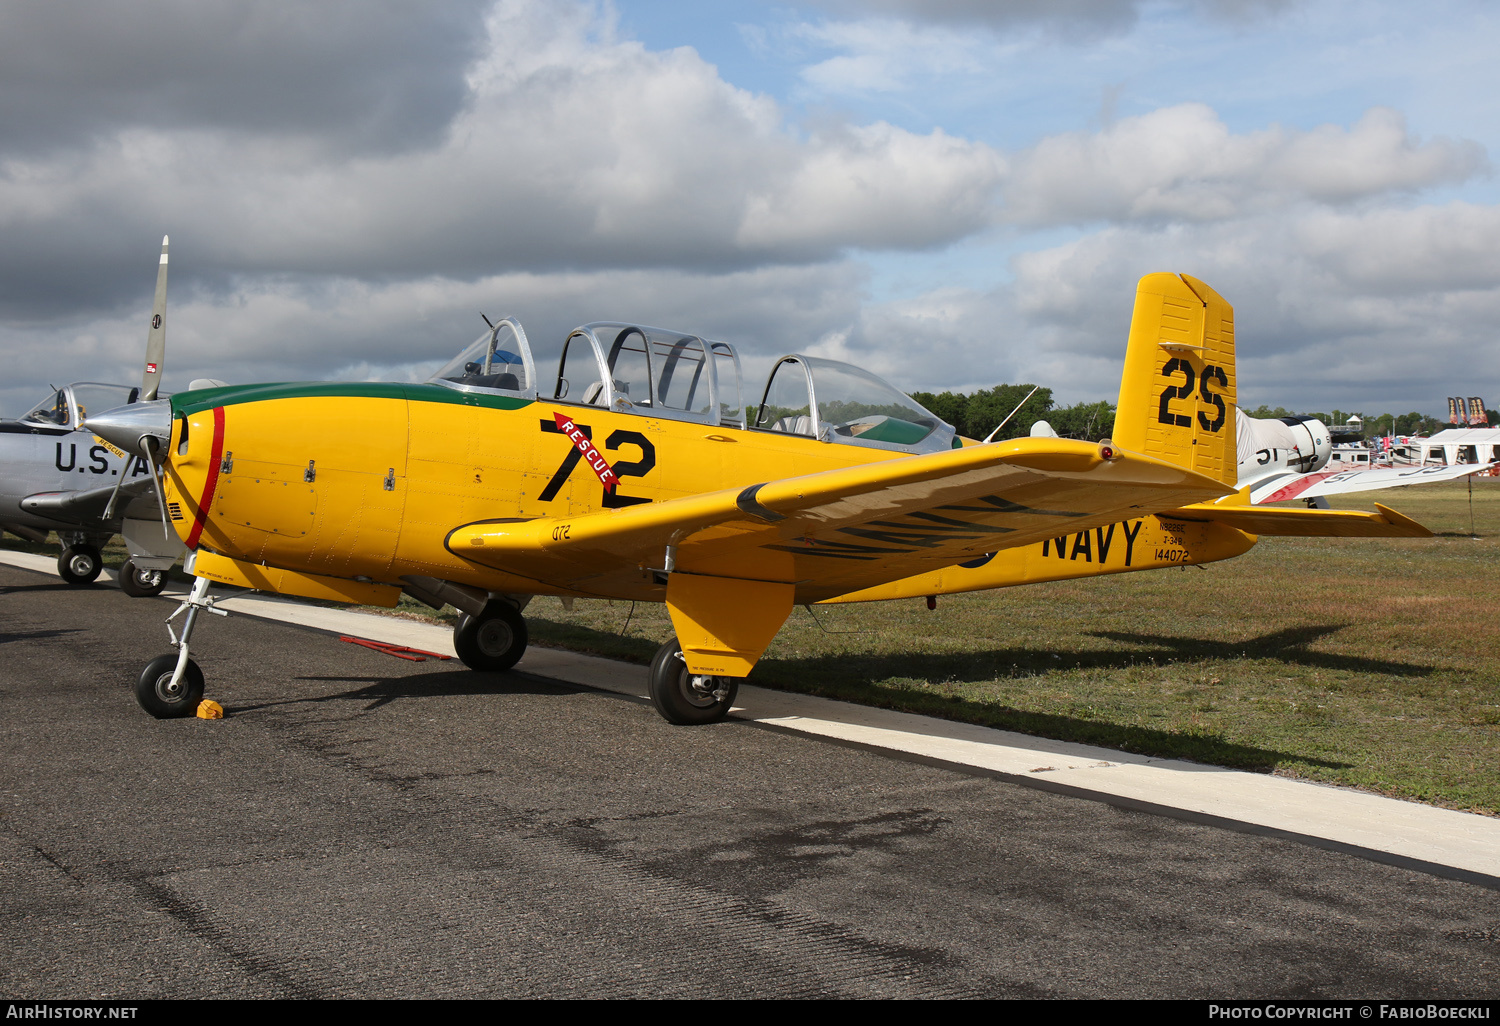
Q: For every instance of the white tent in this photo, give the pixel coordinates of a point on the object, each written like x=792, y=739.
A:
x=1458, y=445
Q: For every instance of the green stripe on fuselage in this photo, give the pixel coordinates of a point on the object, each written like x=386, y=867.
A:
x=185, y=403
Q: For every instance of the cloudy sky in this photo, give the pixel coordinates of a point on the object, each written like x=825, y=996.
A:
x=955, y=193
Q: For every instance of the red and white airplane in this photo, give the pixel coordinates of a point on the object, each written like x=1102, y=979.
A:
x=1289, y=459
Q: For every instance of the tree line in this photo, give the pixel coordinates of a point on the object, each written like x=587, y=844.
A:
x=976, y=414
x=1373, y=427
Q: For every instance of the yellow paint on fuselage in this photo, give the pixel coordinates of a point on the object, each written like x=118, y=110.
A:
x=448, y=464
x=1150, y=543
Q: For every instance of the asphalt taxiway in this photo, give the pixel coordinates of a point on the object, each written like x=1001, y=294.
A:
x=363, y=826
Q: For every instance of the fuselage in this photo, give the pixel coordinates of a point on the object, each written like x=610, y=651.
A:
x=39, y=459
x=367, y=482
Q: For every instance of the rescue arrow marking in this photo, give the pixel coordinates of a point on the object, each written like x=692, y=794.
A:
x=591, y=454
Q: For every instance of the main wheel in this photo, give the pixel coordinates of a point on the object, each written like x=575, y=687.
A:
x=158, y=697
x=494, y=640
x=138, y=582
x=79, y=564
x=685, y=697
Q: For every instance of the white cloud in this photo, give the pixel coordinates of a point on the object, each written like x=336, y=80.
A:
x=1374, y=310
x=885, y=55
x=572, y=150
x=572, y=175
x=927, y=189
x=1183, y=164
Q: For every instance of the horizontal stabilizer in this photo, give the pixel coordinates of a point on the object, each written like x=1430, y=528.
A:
x=1306, y=523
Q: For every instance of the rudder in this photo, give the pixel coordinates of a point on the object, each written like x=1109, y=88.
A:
x=1178, y=391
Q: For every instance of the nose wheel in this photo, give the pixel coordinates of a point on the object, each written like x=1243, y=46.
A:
x=165, y=695
x=171, y=685
x=684, y=697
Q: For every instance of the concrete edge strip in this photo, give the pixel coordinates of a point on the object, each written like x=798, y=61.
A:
x=1153, y=808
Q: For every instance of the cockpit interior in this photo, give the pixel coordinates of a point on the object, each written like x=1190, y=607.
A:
x=674, y=375
x=69, y=405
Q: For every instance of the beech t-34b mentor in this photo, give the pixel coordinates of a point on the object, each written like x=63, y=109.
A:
x=635, y=473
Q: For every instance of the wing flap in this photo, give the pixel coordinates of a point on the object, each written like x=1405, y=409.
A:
x=833, y=532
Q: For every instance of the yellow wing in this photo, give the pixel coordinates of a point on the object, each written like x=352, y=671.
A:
x=839, y=530
x=1187, y=536
x=733, y=562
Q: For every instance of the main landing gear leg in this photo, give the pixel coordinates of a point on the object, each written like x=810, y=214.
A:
x=172, y=685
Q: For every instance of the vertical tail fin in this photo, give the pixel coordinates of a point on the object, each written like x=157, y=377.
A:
x=1178, y=392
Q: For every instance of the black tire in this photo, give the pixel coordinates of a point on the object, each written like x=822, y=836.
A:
x=492, y=641
x=138, y=582
x=684, y=697
x=153, y=688
x=79, y=564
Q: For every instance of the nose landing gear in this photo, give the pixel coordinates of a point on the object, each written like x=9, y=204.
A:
x=171, y=685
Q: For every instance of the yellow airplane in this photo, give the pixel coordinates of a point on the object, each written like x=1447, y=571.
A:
x=636, y=473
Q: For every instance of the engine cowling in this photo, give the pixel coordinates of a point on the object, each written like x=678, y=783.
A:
x=1301, y=444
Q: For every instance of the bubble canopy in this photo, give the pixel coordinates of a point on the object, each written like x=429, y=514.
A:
x=71, y=404
x=498, y=360
x=676, y=375
x=835, y=401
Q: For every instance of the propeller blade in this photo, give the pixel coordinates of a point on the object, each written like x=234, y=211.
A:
x=161, y=499
x=109, y=507
x=156, y=338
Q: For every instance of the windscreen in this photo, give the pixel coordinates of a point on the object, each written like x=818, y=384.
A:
x=855, y=403
x=493, y=361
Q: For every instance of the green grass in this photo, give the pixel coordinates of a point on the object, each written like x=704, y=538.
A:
x=1367, y=662
x=1371, y=663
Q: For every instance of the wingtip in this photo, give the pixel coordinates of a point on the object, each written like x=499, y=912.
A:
x=1415, y=529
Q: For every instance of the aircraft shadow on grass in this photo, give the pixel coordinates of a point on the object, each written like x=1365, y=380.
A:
x=1289, y=646
x=862, y=678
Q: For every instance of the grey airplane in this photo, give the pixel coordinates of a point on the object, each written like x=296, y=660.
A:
x=55, y=475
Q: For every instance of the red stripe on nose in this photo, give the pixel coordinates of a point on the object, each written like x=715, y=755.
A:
x=200, y=515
